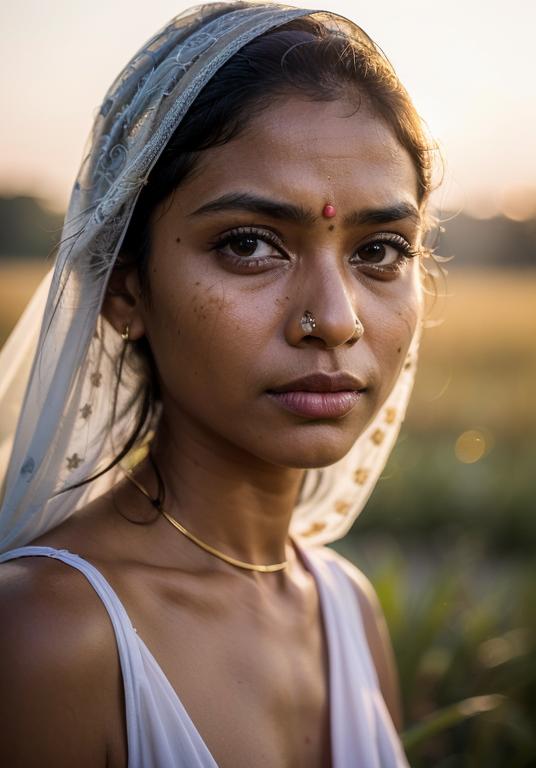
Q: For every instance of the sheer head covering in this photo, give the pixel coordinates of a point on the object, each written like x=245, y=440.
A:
x=58, y=369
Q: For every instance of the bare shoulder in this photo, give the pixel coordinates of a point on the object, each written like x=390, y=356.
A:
x=377, y=635
x=58, y=666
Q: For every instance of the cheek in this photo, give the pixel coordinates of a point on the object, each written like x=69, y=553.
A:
x=391, y=325
x=206, y=333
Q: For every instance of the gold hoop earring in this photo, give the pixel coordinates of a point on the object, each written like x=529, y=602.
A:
x=126, y=332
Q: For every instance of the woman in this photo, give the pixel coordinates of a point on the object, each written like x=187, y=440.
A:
x=225, y=358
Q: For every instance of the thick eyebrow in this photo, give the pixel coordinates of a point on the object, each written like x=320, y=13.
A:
x=242, y=201
x=237, y=201
x=394, y=212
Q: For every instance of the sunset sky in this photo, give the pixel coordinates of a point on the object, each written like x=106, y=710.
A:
x=469, y=66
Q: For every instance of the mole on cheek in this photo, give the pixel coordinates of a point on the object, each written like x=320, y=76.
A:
x=331, y=227
x=177, y=240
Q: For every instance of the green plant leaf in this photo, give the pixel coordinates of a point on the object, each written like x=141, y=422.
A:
x=449, y=716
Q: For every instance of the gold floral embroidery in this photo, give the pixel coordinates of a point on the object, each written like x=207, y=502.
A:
x=342, y=507
x=361, y=476
x=86, y=411
x=377, y=437
x=96, y=378
x=315, y=528
x=390, y=415
x=74, y=461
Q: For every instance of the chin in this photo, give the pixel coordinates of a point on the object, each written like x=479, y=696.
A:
x=315, y=454
x=318, y=462
x=317, y=444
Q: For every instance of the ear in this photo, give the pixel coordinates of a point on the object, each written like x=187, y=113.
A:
x=123, y=303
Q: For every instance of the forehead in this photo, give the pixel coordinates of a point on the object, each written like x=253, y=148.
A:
x=312, y=150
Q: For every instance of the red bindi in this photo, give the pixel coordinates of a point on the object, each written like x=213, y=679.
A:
x=328, y=211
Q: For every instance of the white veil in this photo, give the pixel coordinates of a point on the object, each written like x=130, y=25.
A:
x=59, y=365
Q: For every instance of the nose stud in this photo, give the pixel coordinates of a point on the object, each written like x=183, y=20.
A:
x=308, y=322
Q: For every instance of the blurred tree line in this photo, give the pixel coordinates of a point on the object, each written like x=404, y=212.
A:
x=495, y=242
x=29, y=229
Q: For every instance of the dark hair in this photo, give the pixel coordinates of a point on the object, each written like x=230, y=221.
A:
x=319, y=61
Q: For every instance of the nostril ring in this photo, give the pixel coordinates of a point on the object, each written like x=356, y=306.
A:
x=359, y=329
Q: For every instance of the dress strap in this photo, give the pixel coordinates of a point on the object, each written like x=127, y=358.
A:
x=362, y=731
x=127, y=645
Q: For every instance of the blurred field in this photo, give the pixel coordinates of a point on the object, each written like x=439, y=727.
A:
x=18, y=280
x=477, y=367
x=464, y=461
x=449, y=535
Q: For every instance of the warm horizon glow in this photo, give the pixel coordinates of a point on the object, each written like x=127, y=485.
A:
x=465, y=65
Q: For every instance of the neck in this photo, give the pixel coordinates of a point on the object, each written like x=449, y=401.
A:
x=229, y=499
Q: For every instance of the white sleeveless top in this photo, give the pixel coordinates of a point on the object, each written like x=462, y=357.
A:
x=160, y=733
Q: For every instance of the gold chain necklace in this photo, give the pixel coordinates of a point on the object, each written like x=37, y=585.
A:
x=158, y=504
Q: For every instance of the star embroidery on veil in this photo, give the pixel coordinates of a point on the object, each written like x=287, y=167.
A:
x=74, y=461
x=377, y=436
x=361, y=475
x=314, y=528
x=390, y=415
x=96, y=378
x=86, y=411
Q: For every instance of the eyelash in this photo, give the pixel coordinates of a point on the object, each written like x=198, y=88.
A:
x=262, y=235
x=406, y=252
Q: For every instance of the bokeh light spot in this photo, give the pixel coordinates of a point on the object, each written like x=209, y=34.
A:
x=470, y=446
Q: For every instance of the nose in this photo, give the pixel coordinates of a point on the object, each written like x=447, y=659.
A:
x=325, y=311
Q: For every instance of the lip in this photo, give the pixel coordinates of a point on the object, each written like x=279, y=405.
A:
x=322, y=382
x=319, y=395
x=317, y=405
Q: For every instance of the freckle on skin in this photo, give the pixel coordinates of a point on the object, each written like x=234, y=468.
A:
x=331, y=227
x=178, y=240
x=399, y=350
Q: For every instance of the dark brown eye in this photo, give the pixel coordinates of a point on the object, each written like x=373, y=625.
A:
x=244, y=246
x=374, y=253
x=249, y=248
x=386, y=251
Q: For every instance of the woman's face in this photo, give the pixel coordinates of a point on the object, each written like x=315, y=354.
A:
x=241, y=250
